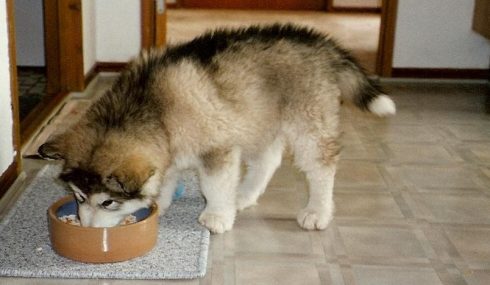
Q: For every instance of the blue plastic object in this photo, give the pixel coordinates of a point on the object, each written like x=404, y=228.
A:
x=179, y=192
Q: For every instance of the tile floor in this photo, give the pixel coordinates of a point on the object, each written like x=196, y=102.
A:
x=412, y=195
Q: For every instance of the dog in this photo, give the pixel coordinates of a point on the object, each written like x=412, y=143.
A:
x=226, y=98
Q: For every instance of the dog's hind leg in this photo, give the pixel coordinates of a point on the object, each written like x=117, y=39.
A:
x=317, y=158
x=259, y=172
x=219, y=175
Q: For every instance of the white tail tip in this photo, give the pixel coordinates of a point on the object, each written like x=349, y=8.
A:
x=382, y=106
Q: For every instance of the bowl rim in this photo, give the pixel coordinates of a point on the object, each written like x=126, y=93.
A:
x=63, y=200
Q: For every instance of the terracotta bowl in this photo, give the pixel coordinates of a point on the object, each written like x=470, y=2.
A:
x=101, y=245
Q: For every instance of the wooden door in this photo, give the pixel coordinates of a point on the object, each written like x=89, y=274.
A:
x=153, y=23
x=384, y=60
x=318, y=5
x=481, y=18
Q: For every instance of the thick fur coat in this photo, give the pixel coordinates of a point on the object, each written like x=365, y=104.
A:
x=226, y=98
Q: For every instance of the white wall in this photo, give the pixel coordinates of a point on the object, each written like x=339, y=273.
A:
x=118, y=36
x=29, y=32
x=89, y=34
x=111, y=31
x=437, y=34
x=6, y=141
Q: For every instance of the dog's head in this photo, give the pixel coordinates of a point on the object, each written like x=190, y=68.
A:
x=103, y=201
x=111, y=181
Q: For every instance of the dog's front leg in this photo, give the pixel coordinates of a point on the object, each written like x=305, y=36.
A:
x=219, y=175
x=167, y=191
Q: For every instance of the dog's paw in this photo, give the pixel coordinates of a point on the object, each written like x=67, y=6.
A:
x=244, y=201
x=162, y=208
x=312, y=219
x=216, y=223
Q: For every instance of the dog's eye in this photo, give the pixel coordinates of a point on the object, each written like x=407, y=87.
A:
x=107, y=203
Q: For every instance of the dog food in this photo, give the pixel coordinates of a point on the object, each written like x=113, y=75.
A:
x=73, y=220
x=70, y=219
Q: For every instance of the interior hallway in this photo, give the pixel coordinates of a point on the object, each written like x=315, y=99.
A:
x=357, y=32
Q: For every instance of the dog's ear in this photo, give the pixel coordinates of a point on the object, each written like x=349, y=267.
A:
x=50, y=150
x=129, y=177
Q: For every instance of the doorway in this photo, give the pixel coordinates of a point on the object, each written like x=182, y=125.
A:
x=31, y=65
x=372, y=20
x=357, y=32
x=49, y=62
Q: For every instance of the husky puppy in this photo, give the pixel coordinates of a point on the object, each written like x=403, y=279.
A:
x=227, y=97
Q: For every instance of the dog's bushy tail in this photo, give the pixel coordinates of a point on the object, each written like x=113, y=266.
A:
x=364, y=92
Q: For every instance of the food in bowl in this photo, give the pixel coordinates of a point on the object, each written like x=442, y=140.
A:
x=70, y=219
x=101, y=245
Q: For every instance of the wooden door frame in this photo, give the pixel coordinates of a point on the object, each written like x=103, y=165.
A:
x=63, y=42
x=386, y=44
x=8, y=177
x=153, y=25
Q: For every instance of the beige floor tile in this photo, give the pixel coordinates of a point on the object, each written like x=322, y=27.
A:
x=426, y=154
x=445, y=117
x=286, y=176
x=366, y=206
x=370, y=152
x=477, y=277
x=471, y=243
x=470, y=132
x=436, y=177
x=277, y=204
x=270, y=274
x=377, y=275
x=402, y=134
x=369, y=242
x=268, y=236
x=467, y=209
x=358, y=174
x=480, y=151
x=349, y=135
x=486, y=171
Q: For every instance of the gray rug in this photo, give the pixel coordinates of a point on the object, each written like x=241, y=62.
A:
x=25, y=250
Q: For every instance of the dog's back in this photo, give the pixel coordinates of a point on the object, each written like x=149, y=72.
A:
x=244, y=86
